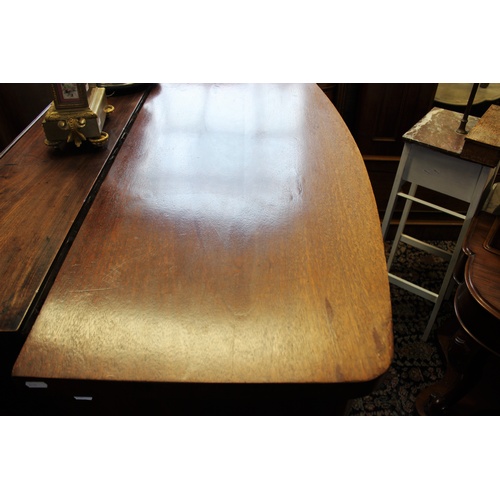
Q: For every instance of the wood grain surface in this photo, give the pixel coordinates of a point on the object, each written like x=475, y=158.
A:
x=482, y=270
x=487, y=130
x=42, y=191
x=482, y=144
x=235, y=239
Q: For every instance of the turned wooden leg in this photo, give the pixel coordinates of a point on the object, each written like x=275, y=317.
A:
x=465, y=359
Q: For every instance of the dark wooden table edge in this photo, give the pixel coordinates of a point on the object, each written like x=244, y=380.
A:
x=120, y=398
x=34, y=308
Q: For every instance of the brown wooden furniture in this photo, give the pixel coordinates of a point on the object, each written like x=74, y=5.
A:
x=472, y=346
x=232, y=254
x=385, y=112
x=378, y=114
x=43, y=192
x=44, y=196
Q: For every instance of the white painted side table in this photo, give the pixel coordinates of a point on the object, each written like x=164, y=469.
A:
x=433, y=158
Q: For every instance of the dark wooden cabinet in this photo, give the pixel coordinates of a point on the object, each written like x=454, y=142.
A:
x=385, y=111
x=20, y=104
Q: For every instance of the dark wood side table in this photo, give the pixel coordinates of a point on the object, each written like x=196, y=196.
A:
x=472, y=345
x=232, y=255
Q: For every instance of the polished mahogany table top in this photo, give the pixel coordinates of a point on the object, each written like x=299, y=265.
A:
x=234, y=239
x=482, y=270
x=42, y=193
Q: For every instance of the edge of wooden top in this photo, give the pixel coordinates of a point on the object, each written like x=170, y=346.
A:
x=482, y=144
x=384, y=350
x=23, y=324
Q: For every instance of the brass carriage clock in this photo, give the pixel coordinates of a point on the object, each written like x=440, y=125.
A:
x=76, y=114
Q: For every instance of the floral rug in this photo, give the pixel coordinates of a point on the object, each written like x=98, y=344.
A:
x=416, y=364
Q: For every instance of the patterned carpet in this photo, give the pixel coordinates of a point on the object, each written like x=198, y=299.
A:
x=416, y=364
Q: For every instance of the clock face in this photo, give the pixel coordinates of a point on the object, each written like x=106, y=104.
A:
x=69, y=90
x=70, y=95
